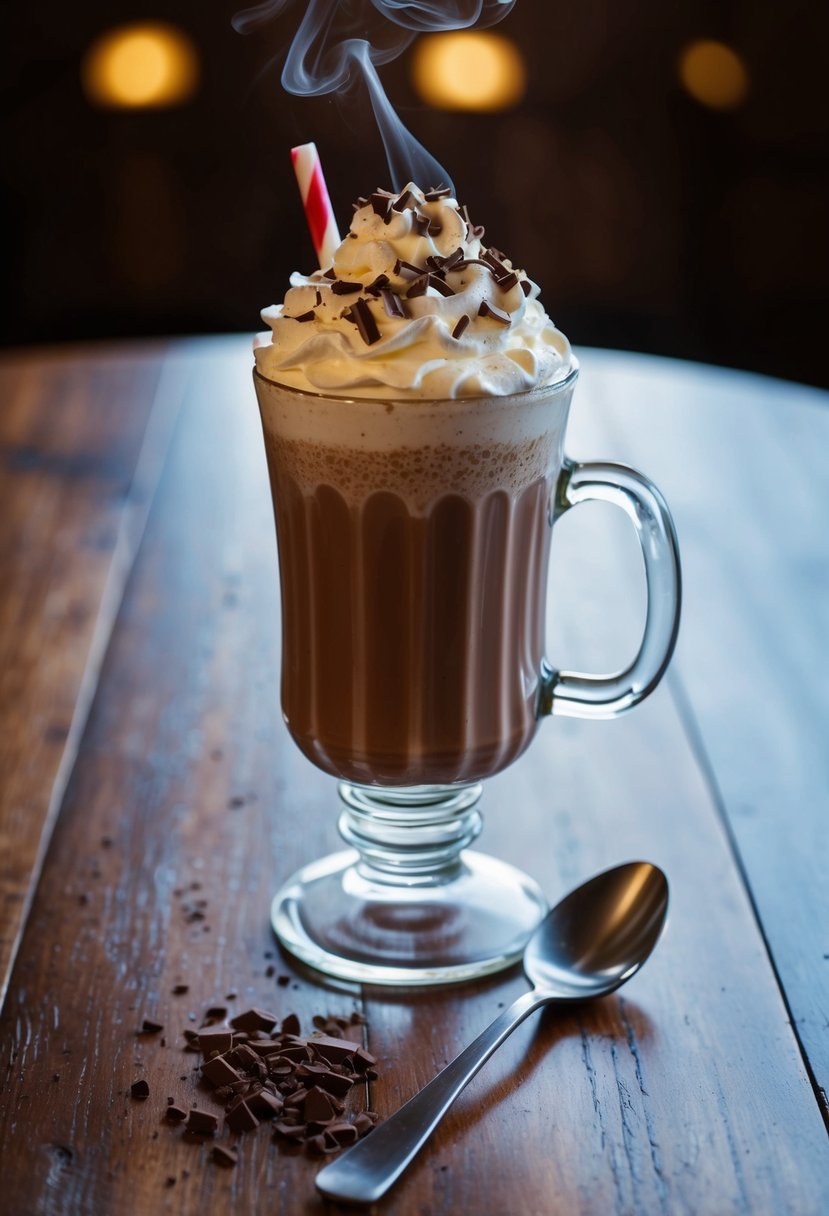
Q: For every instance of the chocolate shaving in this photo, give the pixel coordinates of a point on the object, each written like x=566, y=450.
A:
x=392, y=303
x=436, y=193
x=508, y=281
x=318, y=300
x=330, y=273
x=526, y=286
x=440, y=286
x=254, y=1019
x=148, y=1026
x=343, y=288
x=418, y=288
x=217, y=1039
x=225, y=1156
x=360, y=313
x=472, y=230
x=201, y=1122
x=240, y=1118
x=494, y=258
x=381, y=204
x=401, y=268
x=420, y=223
x=404, y=200
x=333, y=1051
x=305, y=316
x=488, y=310
x=140, y=1090
x=460, y=326
x=453, y=259
x=435, y=228
x=343, y=1133
x=219, y=1072
x=375, y=287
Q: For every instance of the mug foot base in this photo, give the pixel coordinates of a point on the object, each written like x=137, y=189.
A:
x=342, y=918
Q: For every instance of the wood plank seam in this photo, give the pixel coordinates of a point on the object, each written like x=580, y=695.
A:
x=695, y=741
x=149, y=464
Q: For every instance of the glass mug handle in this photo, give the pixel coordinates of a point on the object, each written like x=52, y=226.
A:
x=574, y=694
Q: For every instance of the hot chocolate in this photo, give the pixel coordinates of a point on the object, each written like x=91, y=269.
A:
x=412, y=516
x=414, y=397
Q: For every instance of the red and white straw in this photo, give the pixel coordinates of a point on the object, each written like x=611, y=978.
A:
x=317, y=204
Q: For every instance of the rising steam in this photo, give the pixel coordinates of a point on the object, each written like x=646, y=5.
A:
x=342, y=42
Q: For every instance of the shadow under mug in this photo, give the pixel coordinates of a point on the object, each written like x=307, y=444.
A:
x=414, y=541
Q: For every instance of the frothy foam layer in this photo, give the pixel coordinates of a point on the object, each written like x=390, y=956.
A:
x=418, y=450
x=415, y=305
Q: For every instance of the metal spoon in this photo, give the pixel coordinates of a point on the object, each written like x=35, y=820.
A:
x=588, y=945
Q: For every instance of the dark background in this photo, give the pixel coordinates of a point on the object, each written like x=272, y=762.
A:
x=650, y=222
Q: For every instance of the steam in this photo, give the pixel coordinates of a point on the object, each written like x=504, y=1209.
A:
x=341, y=43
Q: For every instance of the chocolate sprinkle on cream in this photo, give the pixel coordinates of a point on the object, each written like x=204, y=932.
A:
x=381, y=203
x=487, y=310
x=494, y=258
x=440, y=286
x=508, y=281
x=341, y=287
x=392, y=303
x=461, y=326
x=377, y=285
x=420, y=223
x=402, y=268
x=404, y=200
x=418, y=288
x=526, y=286
x=439, y=192
x=360, y=313
x=305, y=316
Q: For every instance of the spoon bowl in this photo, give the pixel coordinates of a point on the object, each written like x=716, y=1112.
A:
x=588, y=945
x=599, y=935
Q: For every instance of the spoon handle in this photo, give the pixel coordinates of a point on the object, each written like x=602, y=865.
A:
x=366, y=1171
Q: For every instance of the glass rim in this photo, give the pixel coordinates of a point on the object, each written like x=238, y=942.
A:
x=527, y=394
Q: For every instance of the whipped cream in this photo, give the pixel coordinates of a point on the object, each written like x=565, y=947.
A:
x=415, y=305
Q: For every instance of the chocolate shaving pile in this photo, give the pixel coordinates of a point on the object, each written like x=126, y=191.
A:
x=264, y=1070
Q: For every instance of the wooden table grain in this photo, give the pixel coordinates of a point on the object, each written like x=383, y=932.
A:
x=144, y=767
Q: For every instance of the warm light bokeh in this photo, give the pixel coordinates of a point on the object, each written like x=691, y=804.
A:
x=713, y=74
x=146, y=64
x=471, y=70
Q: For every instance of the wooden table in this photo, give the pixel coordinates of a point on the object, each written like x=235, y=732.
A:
x=145, y=767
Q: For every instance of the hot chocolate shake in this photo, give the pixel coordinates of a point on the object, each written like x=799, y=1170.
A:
x=413, y=399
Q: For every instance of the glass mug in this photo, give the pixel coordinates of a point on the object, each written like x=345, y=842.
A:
x=414, y=539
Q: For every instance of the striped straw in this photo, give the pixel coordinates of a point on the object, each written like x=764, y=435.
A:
x=317, y=204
